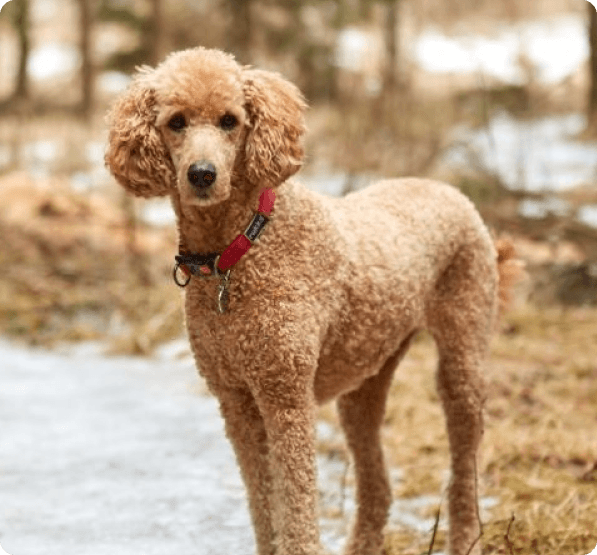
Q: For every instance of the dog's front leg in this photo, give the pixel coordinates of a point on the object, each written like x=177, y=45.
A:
x=289, y=422
x=246, y=431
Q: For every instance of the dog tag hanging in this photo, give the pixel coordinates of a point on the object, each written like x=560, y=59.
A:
x=223, y=293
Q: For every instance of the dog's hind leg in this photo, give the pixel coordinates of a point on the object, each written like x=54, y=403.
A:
x=461, y=321
x=460, y=387
x=361, y=414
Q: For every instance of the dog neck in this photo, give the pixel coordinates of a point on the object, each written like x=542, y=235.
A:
x=213, y=228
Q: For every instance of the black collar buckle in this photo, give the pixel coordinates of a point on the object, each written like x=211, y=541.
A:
x=202, y=265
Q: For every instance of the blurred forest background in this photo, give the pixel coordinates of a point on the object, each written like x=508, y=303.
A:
x=498, y=98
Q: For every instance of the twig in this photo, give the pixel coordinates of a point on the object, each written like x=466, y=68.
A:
x=507, y=536
x=486, y=122
x=435, y=525
x=474, y=542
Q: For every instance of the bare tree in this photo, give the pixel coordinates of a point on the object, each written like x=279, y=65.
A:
x=390, y=74
x=22, y=24
x=158, y=42
x=241, y=31
x=592, y=108
x=87, y=73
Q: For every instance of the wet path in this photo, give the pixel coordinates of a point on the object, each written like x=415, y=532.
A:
x=113, y=456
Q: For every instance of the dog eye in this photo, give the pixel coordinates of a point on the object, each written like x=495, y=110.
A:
x=228, y=122
x=177, y=122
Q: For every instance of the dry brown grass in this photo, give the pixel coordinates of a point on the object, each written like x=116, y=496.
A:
x=71, y=271
x=401, y=135
x=539, y=454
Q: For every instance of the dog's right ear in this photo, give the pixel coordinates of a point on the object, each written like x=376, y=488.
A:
x=137, y=155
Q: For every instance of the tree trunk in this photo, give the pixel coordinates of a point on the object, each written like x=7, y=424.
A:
x=158, y=39
x=592, y=108
x=85, y=20
x=22, y=25
x=390, y=75
x=240, y=33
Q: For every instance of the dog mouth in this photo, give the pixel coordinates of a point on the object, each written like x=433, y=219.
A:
x=200, y=193
x=206, y=196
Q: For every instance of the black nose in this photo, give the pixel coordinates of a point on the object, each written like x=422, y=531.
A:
x=201, y=174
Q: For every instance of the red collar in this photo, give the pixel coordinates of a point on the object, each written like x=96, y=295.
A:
x=215, y=264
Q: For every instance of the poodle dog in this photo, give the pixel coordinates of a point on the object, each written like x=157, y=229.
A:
x=322, y=305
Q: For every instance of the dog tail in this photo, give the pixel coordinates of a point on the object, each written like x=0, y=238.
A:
x=510, y=272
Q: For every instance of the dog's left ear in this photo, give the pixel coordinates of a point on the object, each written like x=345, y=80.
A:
x=275, y=108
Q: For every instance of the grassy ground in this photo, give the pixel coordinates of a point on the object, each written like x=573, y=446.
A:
x=74, y=267
x=539, y=454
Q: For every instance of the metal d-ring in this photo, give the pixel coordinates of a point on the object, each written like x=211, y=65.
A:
x=175, y=276
x=223, y=293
